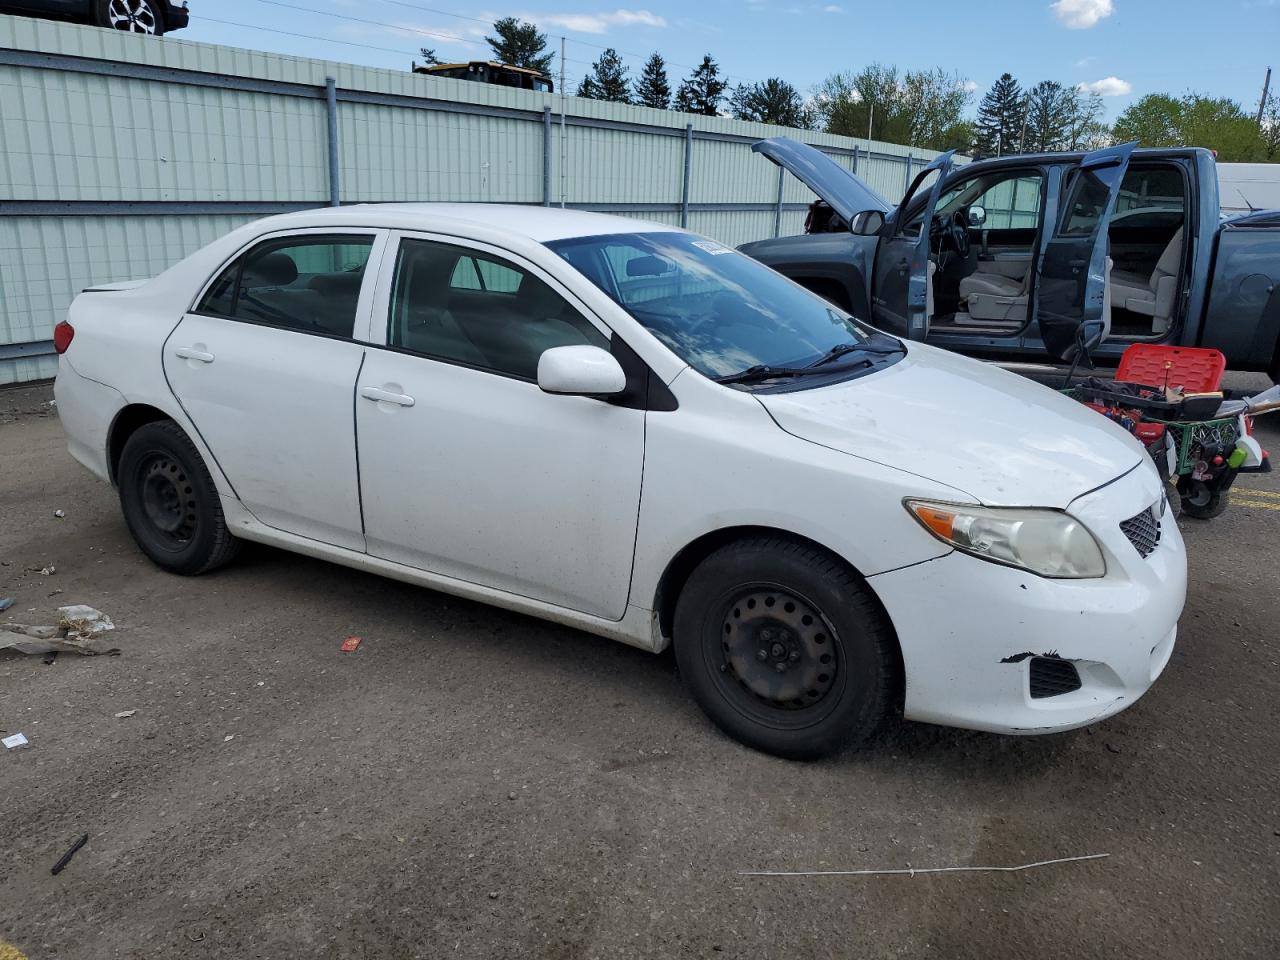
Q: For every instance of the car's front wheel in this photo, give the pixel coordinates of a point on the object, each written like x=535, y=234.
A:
x=784, y=648
x=133, y=16
x=170, y=503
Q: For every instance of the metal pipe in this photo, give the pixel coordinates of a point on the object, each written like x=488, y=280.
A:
x=688, y=170
x=546, y=155
x=331, y=108
x=777, y=209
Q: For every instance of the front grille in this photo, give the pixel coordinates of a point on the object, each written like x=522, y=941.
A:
x=1051, y=676
x=1143, y=531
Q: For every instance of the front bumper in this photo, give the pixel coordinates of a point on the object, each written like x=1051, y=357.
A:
x=970, y=629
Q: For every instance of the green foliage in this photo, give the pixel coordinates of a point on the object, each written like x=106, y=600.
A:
x=703, y=90
x=521, y=45
x=773, y=101
x=999, y=119
x=1195, y=120
x=429, y=57
x=652, y=89
x=607, y=79
x=922, y=107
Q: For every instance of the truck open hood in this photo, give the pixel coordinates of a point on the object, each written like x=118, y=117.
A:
x=847, y=195
x=1002, y=439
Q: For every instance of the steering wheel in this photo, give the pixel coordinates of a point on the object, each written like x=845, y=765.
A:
x=959, y=233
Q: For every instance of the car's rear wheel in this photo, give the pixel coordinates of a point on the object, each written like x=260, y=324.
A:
x=170, y=503
x=784, y=648
x=133, y=16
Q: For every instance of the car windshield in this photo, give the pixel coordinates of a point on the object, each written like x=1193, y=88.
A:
x=720, y=311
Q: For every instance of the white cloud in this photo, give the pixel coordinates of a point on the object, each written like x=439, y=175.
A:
x=601, y=22
x=969, y=86
x=833, y=8
x=1082, y=14
x=1108, y=87
x=1085, y=61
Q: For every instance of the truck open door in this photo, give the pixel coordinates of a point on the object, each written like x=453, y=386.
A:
x=1071, y=288
x=900, y=281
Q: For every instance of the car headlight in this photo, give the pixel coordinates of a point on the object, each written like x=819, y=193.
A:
x=1048, y=543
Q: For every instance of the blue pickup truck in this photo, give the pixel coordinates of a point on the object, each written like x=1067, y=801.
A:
x=1008, y=258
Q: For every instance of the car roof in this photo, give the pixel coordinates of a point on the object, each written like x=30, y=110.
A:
x=537, y=223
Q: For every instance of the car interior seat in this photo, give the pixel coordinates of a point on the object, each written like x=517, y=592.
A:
x=1151, y=296
x=994, y=296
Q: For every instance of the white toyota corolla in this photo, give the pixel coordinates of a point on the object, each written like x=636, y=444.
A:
x=641, y=433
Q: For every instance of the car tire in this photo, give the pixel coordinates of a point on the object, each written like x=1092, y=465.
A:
x=132, y=16
x=784, y=648
x=170, y=503
x=1200, y=501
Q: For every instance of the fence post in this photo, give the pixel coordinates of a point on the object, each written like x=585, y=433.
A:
x=688, y=169
x=906, y=185
x=855, y=158
x=546, y=156
x=777, y=210
x=331, y=106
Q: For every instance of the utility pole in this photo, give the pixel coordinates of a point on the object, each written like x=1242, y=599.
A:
x=1266, y=92
x=564, y=174
x=871, y=113
x=1026, y=115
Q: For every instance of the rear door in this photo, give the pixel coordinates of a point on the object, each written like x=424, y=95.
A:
x=900, y=281
x=1072, y=287
x=265, y=366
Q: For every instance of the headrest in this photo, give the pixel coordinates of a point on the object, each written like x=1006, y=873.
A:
x=273, y=270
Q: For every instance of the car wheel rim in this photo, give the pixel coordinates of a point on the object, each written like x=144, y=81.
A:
x=134, y=16
x=778, y=657
x=168, y=500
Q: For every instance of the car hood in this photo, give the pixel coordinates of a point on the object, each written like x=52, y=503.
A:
x=846, y=193
x=1000, y=438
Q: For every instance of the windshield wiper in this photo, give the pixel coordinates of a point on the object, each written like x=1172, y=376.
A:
x=762, y=371
x=840, y=349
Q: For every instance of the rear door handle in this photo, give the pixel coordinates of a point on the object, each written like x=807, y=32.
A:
x=191, y=353
x=386, y=396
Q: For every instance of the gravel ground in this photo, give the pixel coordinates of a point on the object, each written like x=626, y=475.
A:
x=475, y=783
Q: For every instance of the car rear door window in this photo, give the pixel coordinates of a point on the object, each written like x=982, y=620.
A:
x=456, y=304
x=310, y=284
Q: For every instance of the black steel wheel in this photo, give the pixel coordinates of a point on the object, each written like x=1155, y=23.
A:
x=132, y=16
x=170, y=503
x=784, y=648
x=1201, y=501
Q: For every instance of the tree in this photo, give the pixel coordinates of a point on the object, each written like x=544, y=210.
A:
x=1085, y=129
x=999, y=119
x=1193, y=120
x=521, y=45
x=653, y=90
x=773, y=101
x=703, y=90
x=922, y=108
x=1048, y=111
x=429, y=57
x=1270, y=129
x=607, y=79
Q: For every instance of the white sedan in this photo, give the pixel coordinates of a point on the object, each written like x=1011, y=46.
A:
x=641, y=433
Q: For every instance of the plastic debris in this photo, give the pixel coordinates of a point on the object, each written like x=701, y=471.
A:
x=66, y=857
x=15, y=740
x=912, y=871
x=228, y=738
x=351, y=644
x=59, y=514
x=80, y=629
x=5, y=603
x=125, y=714
x=48, y=571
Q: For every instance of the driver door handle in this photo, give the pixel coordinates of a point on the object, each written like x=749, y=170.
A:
x=191, y=353
x=386, y=396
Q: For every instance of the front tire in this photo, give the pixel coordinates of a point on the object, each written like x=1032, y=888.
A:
x=170, y=503
x=132, y=16
x=784, y=648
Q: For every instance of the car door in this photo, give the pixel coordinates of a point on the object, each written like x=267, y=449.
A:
x=1072, y=285
x=467, y=469
x=900, y=279
x=265, y=366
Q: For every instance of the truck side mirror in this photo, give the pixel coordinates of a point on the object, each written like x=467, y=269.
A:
x=977, y=215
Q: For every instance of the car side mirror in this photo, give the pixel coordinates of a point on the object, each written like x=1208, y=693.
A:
x=977, y=216
x=580, y=371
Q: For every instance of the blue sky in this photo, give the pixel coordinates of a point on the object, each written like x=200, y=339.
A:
x=1126, y=48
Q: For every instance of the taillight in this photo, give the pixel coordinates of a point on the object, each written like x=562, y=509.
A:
x=63, y=334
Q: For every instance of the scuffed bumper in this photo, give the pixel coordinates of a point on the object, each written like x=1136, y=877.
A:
x=969, y=629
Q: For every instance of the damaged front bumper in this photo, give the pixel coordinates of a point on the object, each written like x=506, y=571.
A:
x=995, y=648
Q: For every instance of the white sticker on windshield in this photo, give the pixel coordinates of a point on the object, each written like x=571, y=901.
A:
x=713, y=248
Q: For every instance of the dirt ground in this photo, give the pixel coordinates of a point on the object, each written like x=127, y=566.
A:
x=474, y=783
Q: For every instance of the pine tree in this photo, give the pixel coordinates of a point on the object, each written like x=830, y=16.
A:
x=520, y=44
x=999, y=118
x=1049, y=109
x=429, y=57
x=702, y=92
x=607, y=80
x=653, y=90
x=773, y=101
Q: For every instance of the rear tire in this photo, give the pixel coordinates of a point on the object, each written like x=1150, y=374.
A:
x=170, y=503
x=132, y=16
x=784, y=648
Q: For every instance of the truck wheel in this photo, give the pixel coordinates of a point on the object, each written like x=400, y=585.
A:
x=1201, y=502
x=133, y=16
x=170, y=503
x=784, y=648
